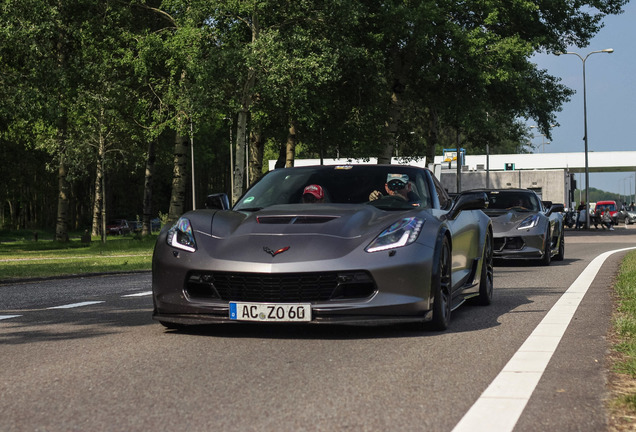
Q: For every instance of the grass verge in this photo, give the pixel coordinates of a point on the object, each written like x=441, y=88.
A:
x=622, y=403
x=24, y=257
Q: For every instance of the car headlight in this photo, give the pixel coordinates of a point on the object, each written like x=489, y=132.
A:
x=401, y=233
x=181, y=236
x=529, y=222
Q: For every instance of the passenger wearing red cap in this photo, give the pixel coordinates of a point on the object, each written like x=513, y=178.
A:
x=313, y=194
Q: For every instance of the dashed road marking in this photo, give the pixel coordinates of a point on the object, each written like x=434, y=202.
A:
x=80, y=304
x=141, y=294
x=76, y=305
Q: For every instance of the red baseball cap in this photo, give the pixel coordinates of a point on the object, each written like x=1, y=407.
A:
x=315, y=190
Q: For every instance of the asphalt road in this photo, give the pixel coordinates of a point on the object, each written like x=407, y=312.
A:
x=83, y=354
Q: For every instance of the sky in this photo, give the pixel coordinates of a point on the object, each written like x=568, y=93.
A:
x=611, y=99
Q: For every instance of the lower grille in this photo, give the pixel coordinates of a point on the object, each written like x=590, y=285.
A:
x=508, y=243
x=285, y=287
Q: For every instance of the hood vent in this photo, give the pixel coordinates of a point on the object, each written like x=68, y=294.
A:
x=294, y=220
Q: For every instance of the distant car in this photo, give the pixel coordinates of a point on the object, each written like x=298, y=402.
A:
x=569, y=218
x=135, y=226
x=118, y=226
x=524, y=227
x=612, y=207
x=627, y=217
x=155, y=224
x=321, y=244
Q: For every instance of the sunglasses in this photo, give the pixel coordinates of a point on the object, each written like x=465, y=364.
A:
x=396, y=185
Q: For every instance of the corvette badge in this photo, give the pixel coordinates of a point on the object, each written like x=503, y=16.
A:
x=274, y=253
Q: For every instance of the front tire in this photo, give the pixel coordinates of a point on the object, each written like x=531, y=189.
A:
x=441, y=287
x=486, y=281
x=547, y=250
x=561, y=254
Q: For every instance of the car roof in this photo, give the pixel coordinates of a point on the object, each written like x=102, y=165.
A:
x=370, y=167
x=513, y=190
x=503, y=190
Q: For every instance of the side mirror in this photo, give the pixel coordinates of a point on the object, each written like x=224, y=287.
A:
x=218, y=201
x=468, y=201
x=554, y=208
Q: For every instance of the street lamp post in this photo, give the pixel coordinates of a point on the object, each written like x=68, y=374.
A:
x=587, y=168
x=543, y=141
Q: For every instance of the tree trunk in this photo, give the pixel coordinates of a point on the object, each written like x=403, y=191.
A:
x=147, y=210
x=390, y=130
x=280, y=162
x=179, y=178
x=12, y=214
x=257, y=147
x=61, y=225
x=290, y=153
x=103, y=218
x=241, y=130
x=432, y=136
x=394, y=115
x=239, y=156
x=98, y=205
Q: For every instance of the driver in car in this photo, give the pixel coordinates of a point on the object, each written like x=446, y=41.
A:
x=399, y=186
x=313, y=194
x=520, y=203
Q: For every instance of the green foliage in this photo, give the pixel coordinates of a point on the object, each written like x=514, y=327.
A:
x=598, y=195
x=86, y=82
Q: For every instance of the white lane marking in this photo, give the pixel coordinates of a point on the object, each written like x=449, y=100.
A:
x=75, y=305
x=141, y=294
x=502, y=403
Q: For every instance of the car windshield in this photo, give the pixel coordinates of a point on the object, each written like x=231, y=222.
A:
x=341, y=184
x=513, y=200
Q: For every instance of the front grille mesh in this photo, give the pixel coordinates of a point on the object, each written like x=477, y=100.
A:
x=508, y=243
x=286, y=287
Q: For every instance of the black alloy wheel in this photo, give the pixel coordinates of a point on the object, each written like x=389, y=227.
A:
x=441, y=286
x=561, y=254
x=547, y=249
x=486, y=281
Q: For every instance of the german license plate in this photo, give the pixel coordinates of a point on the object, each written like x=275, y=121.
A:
x=276, y=312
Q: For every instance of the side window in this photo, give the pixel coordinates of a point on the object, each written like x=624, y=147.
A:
x=422, y=189
x=444, y=199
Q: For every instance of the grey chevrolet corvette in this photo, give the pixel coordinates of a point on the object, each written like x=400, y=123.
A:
x=346, y=244
x=524, y=227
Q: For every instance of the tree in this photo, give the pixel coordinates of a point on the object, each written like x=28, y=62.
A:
x=316, y=78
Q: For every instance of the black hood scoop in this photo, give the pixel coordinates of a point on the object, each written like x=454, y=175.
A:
x=294, y=219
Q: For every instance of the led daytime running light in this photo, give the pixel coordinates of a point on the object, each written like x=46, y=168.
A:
x=181, y=236
x=529, y=222
x=401, y=233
